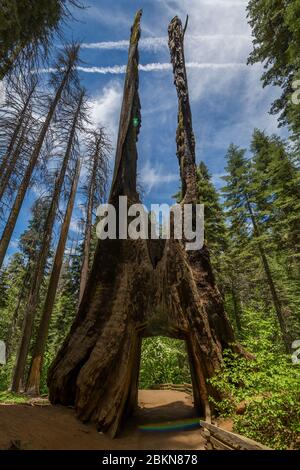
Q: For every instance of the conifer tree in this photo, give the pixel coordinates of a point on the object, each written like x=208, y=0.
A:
x=26, y=29
x=245, y=224
x=98, y=148
x=276, y=44
x=33, y=382
x=62, y=79
x=16, y=121
x=215, y=229
x=37, y=277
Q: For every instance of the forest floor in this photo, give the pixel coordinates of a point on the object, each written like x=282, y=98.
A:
x=39, y=425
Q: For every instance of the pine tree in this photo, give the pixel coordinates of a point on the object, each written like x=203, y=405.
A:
x=33, y=382
x=21, y=264
x=62, y=79
x=38, y=273
x=275, y=28
x=26, y=27
x=16, y=120
x=98, y=148
x=245, y=223
x=276, y=187
x=215, y=229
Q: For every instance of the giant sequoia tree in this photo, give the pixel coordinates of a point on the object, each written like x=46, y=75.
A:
x=140, y=288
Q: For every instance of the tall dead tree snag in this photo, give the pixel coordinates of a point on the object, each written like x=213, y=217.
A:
x=198, y=260
x=140, y=288
x=184, y=136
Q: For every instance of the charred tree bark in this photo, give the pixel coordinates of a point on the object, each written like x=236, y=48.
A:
x=33, y=383
x=140, y=288
x=184, y=136
x=42, y=259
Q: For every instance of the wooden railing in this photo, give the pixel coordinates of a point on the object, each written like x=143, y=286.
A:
x=216, y=437
x=187, y=388
x=219, y=439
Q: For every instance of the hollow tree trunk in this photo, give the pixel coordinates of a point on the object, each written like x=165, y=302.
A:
x=42, y=259
x=33, y=383
x=140, y=288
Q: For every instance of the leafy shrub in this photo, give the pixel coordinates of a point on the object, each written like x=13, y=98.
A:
x=163, y=360
x=269, y=386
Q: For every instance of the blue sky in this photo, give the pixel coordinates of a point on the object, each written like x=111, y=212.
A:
x=227, y=98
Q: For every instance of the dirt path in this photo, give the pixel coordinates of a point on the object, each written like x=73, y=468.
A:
x=56, y=427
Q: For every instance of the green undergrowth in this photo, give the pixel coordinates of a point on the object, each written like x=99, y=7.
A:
x=261, y=395
x=12, y=398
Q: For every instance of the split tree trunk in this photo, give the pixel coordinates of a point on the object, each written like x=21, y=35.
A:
x=140, y=288
x=33, y=383
x=38, y=273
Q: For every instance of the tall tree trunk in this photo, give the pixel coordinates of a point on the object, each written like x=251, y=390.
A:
x=236, y=306
x=14, y=320
x=33, y=383
x=11, y=222
x=139, y=288
x=275, y=298
x=5, y=164
x=42, y=260
x=14, y=159
x=88, y=233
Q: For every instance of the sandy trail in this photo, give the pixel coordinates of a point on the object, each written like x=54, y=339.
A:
x=56, y=427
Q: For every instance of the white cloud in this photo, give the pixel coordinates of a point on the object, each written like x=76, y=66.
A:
x=76, y=225
x=14, y=244
x=105, y=108
x=110, y=17
x=155, y=176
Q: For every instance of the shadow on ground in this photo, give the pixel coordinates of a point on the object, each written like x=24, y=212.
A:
x=56, y=427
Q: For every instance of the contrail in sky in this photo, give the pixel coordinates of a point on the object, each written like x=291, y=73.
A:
x=157, y=67
x=157, y=43
x=154, y=67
